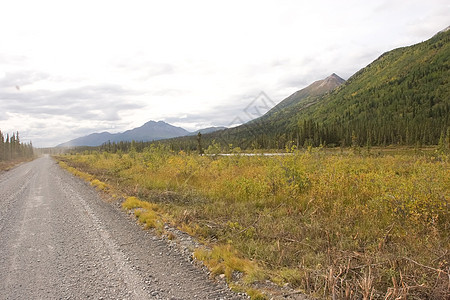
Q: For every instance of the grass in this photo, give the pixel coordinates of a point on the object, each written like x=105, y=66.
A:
x=225, y=260
x=8, y=165
x=336, y=225
x=146, y=212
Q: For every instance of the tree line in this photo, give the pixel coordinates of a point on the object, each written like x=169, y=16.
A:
x=310, y=134
x=11, y=148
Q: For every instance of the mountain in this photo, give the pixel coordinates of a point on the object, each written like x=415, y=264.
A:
x=150, y=131
x=401, y=98
x=261, y=132
x=317, y=88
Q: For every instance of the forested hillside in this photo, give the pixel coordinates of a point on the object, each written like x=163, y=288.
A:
x=269, y=131
x=403, y=97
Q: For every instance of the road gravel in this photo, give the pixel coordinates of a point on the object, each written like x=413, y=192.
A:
x=60, y=240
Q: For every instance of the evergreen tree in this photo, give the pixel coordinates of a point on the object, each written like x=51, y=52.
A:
x=11, y=147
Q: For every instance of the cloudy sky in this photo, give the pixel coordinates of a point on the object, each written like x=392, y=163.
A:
x=70, y=68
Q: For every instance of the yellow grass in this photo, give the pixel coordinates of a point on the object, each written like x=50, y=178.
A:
x=146, y=212
x=317, y=221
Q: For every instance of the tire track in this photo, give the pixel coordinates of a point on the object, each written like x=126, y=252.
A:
x=120, y=261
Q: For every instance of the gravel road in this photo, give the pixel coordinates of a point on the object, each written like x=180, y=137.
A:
x=60, y=240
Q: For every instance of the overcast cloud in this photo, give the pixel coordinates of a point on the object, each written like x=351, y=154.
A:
x=70, y=68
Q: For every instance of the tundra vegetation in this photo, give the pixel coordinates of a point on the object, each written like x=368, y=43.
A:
x=345, y=224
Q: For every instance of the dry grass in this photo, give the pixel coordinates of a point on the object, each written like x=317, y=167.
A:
x=336, y=226
x=8, y=165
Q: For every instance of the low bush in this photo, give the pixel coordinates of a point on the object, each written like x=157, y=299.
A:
x=333, y=225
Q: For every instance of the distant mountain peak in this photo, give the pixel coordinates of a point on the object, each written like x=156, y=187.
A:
x=323, y=86
x=335, y=76
x=315, y=89
x=332, y=81
x=150, y=131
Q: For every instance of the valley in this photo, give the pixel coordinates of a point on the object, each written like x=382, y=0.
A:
x=339, y=191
